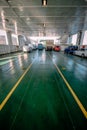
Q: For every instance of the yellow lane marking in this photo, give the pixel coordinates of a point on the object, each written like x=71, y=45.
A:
x=73, y=93
x=14, y=87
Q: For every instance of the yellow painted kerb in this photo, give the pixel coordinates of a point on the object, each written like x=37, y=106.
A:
x=14, y=87
x=73, y=93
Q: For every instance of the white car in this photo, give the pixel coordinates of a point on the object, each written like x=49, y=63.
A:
x=81, y=52
x=27, y=48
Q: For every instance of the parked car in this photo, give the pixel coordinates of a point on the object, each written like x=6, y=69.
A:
x=40, y=46
x=34, y=47
x=82, y=52
x=27, y=48
x=70, y=49
x=56, y=48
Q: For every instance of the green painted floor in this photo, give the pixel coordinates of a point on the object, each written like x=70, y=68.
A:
x=41, y=99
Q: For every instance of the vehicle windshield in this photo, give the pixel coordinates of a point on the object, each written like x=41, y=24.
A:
x=39, y=44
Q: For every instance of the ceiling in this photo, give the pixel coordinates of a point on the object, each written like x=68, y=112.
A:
x=59, y=17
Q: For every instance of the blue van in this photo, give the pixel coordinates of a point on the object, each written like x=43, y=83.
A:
x=40, y=46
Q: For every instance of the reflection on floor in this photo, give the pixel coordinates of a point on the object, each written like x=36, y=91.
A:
x=41, y=100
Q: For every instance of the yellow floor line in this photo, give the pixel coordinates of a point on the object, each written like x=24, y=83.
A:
x=14, y=87
x=73, y=93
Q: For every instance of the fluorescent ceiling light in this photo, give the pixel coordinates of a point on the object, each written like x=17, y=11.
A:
x=44, y=2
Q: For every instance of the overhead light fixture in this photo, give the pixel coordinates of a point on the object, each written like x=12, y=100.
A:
x=44, y=2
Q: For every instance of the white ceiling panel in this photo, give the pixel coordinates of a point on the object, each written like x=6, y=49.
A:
x=58, y=17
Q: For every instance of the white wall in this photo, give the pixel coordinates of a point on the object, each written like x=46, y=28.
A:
x=2, y=37
x=74, y=39
x=6, y=45
x=84, y=40
x=84, y=29
x=4, y=49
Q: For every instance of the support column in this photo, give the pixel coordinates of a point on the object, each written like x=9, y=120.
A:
x=79, y=38
x=8, y=38
x=16, y=32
